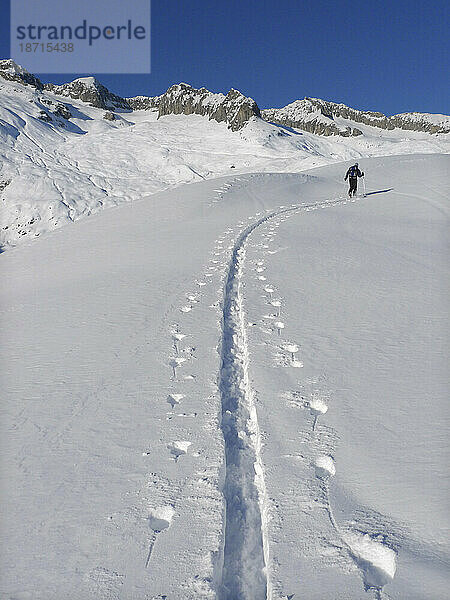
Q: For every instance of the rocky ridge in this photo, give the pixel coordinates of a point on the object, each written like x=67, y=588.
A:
x=233, y=108
x=317, y=116
x=310, y=114
x=91, y=91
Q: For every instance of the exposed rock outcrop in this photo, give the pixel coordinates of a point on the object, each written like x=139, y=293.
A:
x=182, y=99
x=91, y=91
x=318, y=116
x=416, y=121
x=13, y=72
x=143, y=102
x=234, y=108
x=63, y=111
x=308, y=115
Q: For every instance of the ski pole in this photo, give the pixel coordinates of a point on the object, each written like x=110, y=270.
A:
x=364, y=185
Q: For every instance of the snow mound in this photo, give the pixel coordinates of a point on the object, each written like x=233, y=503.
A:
x=325, y=466
x=376, y=561
x=160, y=518
x=318, y=405
x=179, y=447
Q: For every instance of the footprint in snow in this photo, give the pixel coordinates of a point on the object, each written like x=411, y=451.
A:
x=276, y=304
x=192, y=297
x=177, y=336
x=279, y=325
x=318, y=407
x=179, y=448
x=324, y=466
x=175, y=363
x=174, y=399
x=159, y=519
x=292, y=349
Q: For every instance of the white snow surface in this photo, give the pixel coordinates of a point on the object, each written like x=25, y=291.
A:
x=58, y=171
x=109, y=490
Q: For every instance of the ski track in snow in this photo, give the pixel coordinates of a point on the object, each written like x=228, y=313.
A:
x=246, y=561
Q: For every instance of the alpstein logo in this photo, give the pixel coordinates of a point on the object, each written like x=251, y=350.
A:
x=95, y=37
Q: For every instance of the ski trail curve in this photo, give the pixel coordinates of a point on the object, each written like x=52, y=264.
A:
x=246, y=550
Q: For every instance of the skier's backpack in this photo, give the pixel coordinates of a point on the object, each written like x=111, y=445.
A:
x=353, y=172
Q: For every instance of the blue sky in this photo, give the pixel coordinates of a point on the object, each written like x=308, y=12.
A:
x=386, y=56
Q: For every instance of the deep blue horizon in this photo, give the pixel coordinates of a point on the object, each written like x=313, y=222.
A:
x=389, y=57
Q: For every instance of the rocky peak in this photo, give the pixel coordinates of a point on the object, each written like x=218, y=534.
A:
x=89, y=90
x=409, y=121
x=13, y=72
x=310, y=114
x=234, y=108
x=416, y=121
x=143, y=102
x=318, y=116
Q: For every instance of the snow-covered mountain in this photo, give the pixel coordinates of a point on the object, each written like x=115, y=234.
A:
x=328, y=118
x=71, y=150
x=233, y=108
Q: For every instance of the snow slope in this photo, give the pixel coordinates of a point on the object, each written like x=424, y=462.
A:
x=232, y=389
x=56, y=171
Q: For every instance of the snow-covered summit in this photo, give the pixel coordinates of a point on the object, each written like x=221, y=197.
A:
x=86, y=89
x=90, y=90
x=87, y=81
x=309, y=114
x=424, y=121
x=11, y=67
x=329, y=118
x=11, y=71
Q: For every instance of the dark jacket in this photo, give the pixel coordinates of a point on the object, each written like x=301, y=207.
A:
x=353, y=173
